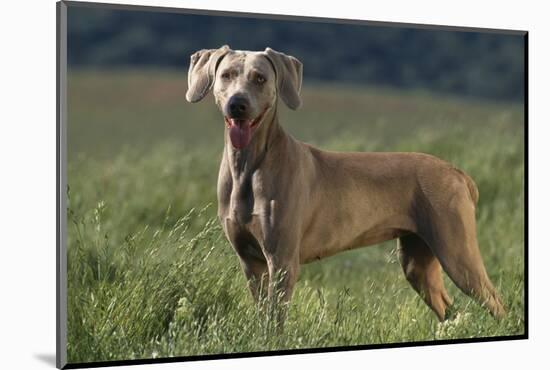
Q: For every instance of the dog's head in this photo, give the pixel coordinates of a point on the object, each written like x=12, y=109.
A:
x=246, y=86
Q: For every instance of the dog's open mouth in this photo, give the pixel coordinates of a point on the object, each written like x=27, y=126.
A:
x=240, y=130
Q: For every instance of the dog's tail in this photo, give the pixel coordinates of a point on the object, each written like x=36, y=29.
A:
x=472, y=187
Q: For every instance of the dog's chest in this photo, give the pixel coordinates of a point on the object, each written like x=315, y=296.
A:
x=243, y=206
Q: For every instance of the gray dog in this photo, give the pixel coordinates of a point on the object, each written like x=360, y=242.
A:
x=283, y=203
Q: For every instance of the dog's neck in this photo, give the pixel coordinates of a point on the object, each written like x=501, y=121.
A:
x=243, y=162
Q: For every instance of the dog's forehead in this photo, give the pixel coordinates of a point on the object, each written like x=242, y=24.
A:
x=246, y=60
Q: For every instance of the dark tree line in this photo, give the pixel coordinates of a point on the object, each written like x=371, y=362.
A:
x=488, y=65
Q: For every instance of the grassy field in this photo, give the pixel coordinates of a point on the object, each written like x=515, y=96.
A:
x=150, y=273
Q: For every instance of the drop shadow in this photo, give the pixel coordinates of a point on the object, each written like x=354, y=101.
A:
x=47, y=358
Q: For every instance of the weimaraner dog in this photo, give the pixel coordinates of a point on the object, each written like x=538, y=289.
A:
x=283, y=203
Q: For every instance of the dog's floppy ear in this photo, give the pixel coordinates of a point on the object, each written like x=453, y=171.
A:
x=202, y=71
x=289, y=77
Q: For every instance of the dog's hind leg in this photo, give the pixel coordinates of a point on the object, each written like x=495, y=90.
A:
x=423, y=272
x=465, y=268
x=454, y=242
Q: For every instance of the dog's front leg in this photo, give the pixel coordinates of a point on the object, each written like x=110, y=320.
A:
x=257, y=276
x=283, y=274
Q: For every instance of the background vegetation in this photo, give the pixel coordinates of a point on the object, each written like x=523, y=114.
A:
x=150, y=273
x=489, y=65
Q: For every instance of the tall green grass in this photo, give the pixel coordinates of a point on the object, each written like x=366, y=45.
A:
x=150, y=273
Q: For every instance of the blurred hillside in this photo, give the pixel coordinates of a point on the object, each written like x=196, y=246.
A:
x=474, y=64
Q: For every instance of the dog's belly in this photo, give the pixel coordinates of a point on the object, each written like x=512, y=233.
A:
x=320, y=242
x=368, y=239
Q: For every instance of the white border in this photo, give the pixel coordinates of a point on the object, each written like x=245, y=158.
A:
x=28, y=181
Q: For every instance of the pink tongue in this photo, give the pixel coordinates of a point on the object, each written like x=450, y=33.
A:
x=240, y=133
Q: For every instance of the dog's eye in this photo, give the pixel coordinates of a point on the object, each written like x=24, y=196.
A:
x=260, y=79
x=226, y=75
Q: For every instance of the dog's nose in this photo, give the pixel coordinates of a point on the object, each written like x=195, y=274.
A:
x=238, y=106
